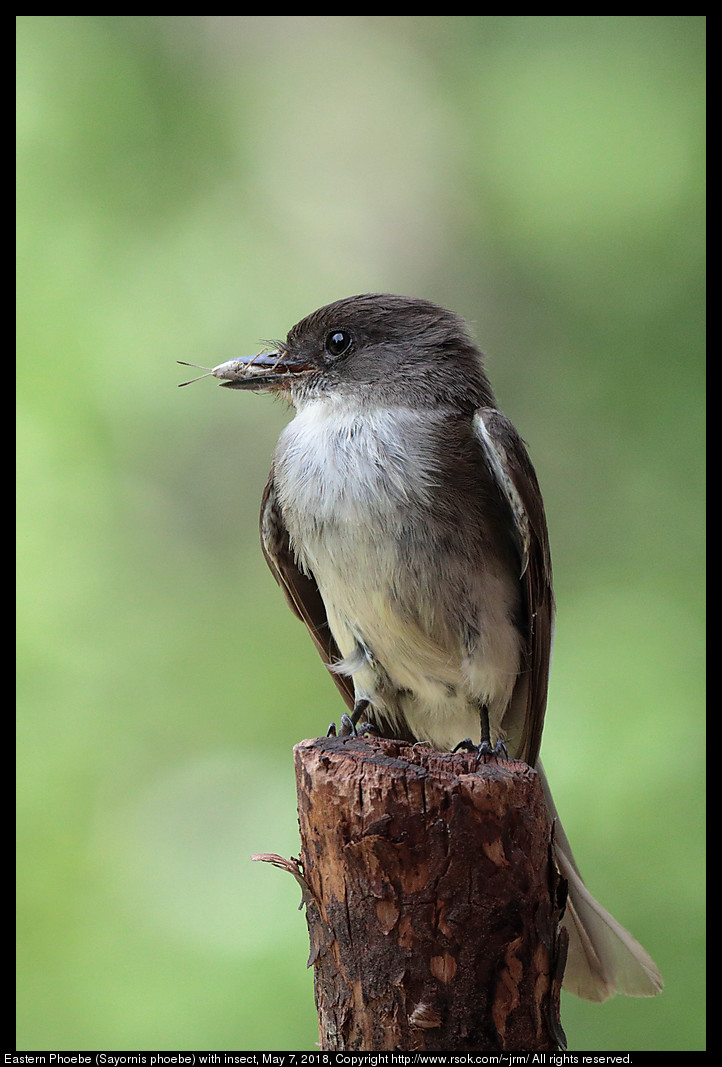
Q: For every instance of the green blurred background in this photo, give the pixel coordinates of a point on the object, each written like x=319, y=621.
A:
x=190, y=187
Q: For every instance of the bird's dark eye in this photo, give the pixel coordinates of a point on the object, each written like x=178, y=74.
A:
x=338, y=342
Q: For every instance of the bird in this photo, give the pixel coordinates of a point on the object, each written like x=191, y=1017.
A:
x=404, y=522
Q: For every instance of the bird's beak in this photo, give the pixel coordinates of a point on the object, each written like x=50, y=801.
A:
x=260, y=372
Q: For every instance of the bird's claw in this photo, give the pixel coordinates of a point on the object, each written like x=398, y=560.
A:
x=499, y=750
x=348, y=728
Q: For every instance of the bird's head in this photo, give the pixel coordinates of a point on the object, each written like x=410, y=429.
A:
x=373, y=346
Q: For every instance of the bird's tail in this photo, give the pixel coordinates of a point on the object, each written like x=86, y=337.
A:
x=604, y=958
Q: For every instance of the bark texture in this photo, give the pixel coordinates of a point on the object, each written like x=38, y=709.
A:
x=434, y=902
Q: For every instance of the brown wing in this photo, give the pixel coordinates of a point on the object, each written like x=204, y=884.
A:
x=509, y=462
x=300, y=589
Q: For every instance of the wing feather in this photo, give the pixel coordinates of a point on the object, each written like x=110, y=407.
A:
x=300, y=589
x=511, y=467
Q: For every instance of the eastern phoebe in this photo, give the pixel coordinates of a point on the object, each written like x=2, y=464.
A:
x=404, y=522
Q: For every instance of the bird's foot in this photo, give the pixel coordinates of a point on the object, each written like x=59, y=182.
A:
x=484, y=749
x=349, y=725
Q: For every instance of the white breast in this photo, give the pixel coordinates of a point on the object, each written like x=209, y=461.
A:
x=338, y=464
x=347, y=492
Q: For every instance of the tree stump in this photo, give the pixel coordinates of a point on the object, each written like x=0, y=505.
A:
x=434, y=902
